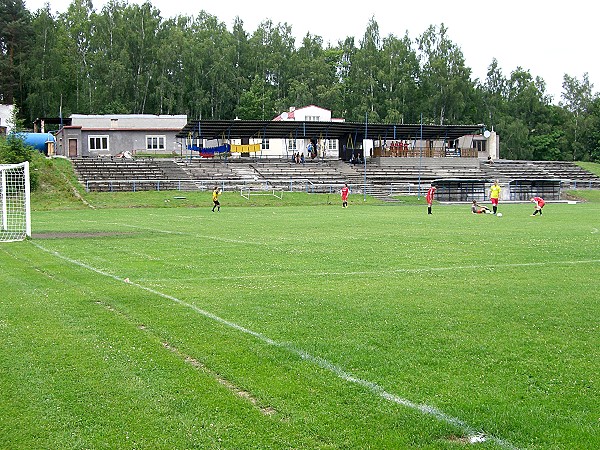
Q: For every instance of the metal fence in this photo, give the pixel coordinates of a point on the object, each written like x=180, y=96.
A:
x=291, y=185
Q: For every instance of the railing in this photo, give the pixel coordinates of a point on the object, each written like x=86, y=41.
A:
x=292, y=185
x=426, y=152
x=583, y=184
x=288, y=184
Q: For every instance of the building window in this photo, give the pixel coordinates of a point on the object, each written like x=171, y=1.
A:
x=479, y=145
x=312, y=118
x=98, y=143
x=264, y=144
x=155, y=142
x=332, y=144
x=292, y=145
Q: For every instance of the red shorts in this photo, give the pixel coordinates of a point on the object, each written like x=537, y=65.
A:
x=494, y=201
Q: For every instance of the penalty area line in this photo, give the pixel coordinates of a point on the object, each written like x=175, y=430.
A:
x=318, y=361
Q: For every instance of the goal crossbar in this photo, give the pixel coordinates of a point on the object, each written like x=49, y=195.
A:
x=15, y=202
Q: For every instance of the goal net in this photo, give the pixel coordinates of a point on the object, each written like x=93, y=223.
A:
x=15, y=209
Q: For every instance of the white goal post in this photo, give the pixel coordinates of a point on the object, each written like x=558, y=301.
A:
x=247, y=192
x=15, y=202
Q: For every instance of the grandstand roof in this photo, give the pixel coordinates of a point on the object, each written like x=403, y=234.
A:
x=237, y=129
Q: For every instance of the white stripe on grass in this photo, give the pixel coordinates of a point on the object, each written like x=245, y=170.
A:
x=495, y=266
x=474, y=436
x=391, y=271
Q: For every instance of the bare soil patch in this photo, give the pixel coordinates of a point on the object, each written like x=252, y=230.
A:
x=75, y=234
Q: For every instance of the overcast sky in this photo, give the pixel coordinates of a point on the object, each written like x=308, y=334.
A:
x=547, y=38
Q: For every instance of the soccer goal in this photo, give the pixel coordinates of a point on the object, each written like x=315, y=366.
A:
x=15, y=206
x=247, y=192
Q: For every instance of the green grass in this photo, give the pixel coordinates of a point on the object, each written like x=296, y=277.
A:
x=298, y=327
x=590, y=166
x=588, y=195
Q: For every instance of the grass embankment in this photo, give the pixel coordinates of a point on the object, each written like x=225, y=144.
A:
x=590, y=167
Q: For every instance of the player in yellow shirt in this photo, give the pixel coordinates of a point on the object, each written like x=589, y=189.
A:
x=216, y=203
x=495, y=196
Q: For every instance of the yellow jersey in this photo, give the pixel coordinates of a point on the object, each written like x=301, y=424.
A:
x=216, y=195
x=495, y=191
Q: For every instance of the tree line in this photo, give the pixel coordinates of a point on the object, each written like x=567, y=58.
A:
x=127, y=59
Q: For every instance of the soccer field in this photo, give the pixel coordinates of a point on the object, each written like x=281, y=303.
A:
x=303, y=327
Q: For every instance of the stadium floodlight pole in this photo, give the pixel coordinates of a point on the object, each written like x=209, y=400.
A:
x=365, y=159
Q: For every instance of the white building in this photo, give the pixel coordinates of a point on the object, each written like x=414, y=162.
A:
x=317, y=147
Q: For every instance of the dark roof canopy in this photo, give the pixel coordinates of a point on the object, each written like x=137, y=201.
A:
x=236, y=129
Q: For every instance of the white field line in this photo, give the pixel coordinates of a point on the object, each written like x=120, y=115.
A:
x=391, y=271
x=474, y=435
x=363, y=272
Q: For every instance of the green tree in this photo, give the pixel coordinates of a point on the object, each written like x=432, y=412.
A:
x=257, y=102
x=365, y=76
x=242, y=64
x=447, y=89
x=272, y=47
x=593, y=141
x=578, y=98
x=526, y=111
x=313, y=78
x=400, y=74
x=78, y=23
x=492, y=94
x=46, y=68
x=12, y=148
x=344, y=71
x=16, y=35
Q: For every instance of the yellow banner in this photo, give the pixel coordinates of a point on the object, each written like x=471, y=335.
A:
x=246, y=148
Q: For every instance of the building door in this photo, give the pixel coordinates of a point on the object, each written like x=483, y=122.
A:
x=246, y=141
x=72, y=148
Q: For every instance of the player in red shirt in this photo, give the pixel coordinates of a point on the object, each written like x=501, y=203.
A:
x=429, y=198
x=539, y=204
x=345, y=192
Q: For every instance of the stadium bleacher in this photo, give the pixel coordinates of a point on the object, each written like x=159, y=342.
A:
x=385, y=176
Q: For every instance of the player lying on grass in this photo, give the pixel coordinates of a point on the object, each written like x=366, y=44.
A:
x=479, y=209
